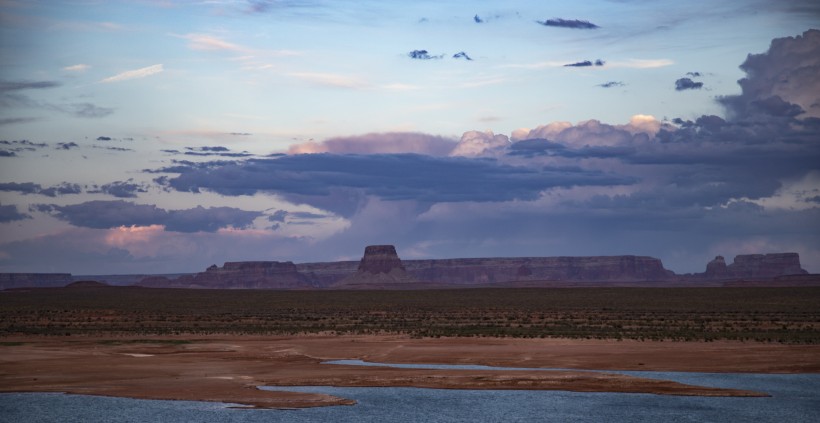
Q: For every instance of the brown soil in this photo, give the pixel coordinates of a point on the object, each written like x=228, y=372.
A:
x=229, y=368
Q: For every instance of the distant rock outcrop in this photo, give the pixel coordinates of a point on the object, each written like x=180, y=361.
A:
x=380, y=267
x=755, y=266
x=238, y=275
x=766, y=265
x=716, y=269
x=500, y=270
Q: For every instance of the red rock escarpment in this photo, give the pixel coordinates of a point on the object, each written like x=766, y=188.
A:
x=755, y=266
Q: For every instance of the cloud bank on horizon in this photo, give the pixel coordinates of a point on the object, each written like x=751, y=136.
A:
x=738, y=172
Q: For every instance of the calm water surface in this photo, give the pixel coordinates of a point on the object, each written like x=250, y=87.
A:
x=795, y=398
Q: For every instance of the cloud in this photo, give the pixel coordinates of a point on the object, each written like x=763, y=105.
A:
x=62, y=189
x=26, y=188
x=477, y=19
x=210, y=151
x=392, y=177
x=379, y=143
x=122, y=189
x=640, y=63
x=102, y=138
x=77, y=68
x=694, y=74
x=687, y=84
x=477, y=144
x=611, y=84
x=134, y=74
x=22, y=188
x=461, y=55
x=113, y=214
x=210, y=43
x=786, y=73
x=586, y=63
x=12, y=121
x=568, y=23
x=9, y=98
x=10, y=86
x=67, y=145
x=423, y=55
x=9, y=213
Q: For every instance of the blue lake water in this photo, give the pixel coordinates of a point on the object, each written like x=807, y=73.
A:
x=795, y=398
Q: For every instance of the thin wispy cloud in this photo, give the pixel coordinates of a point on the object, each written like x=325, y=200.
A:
x=77, y=68
x=210, y=43
x=135, y=74
x=640, y=63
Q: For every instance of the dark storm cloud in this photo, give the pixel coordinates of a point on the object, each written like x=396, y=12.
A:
x=687, y=84
x=102, y=138
x=785, y=73
x=423, y=55
x=278, y=216
x=461, y=55
x=388, y=176
x=568, y=23
x=10, y=214
x=200, y=219
x=6, y=153
x=541, y=147
x=611, y=84
x=112, y=214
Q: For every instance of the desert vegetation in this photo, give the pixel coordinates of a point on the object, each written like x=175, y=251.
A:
x=783, y=315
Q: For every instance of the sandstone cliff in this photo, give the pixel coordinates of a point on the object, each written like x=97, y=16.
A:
x=755, y=266
x=238, y=275
x=380, y=267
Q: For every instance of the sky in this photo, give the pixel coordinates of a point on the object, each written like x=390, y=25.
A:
x=166, y=136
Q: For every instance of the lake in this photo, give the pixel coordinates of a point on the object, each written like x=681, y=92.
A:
x=795, y=398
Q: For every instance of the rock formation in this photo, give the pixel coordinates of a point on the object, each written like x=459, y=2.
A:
x=716, y=269
x=500, y=270
x=766, y=265
x=380, y=267
x=238, y=275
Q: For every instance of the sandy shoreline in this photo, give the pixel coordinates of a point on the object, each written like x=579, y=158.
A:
x=229, y=368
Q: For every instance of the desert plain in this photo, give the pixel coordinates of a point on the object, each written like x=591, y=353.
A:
x=222, y=345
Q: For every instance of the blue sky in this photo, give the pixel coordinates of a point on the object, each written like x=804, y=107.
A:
x=155, y=136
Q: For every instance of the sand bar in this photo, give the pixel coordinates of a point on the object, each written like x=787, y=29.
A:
x=229, y=368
